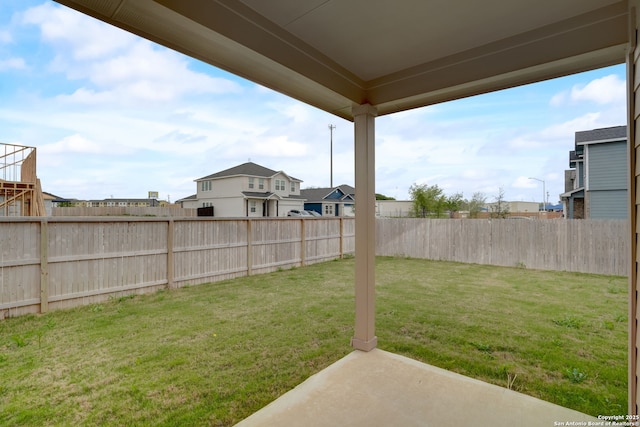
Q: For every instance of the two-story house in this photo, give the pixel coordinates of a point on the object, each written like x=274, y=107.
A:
x=249, y=190
x=596, y=185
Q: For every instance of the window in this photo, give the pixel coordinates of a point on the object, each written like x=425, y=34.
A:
x=207, y=204
x=293, y=187
x=279, y=185
x=251, y=182
x=328, y=209
x=205, y=185
x=253, y=206
x=261, y=183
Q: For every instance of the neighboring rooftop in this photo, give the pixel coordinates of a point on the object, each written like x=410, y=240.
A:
x=602, y=134
x=246, y=169
x=318, y=194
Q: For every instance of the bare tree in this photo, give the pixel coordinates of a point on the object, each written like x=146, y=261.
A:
x=476, y=203
x=500, y=207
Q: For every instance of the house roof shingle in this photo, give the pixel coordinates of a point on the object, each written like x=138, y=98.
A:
x=602, y=134
x=319, y=194
x=246, y=169
x=191, y=197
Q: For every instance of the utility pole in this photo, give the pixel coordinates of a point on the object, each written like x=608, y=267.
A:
x=331, y=128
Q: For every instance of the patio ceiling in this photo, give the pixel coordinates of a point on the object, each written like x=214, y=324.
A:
x=394, y=55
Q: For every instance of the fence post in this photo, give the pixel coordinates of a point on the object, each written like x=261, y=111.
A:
x=44, y=266
x=249, y=249
x=341, y=238
x=303, y=243
x=170, y=254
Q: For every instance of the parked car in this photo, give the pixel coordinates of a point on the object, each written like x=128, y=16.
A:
x=313, y=213
x=296, y=212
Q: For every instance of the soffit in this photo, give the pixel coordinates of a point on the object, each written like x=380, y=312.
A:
x=395, y=55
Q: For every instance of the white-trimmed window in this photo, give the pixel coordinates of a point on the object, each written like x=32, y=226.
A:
x=252, y=207
x=293, y=187
x=279, y=185
x=207, y=204
x=251, y=179
x=328, y=209
x=205, y=185
x=261, y=183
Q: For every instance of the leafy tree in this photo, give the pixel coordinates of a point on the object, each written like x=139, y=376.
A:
x=428, y=200
x=454, y=203
x=500, y=207
x=476, y=203
x=383, y=197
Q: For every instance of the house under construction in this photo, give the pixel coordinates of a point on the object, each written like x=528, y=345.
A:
x=20, y=190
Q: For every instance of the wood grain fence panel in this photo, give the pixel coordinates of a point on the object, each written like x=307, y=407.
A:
x=209, y=250
x=19, y=267
x=100, y=257
x=276, y=244
x=322, y=240
x=589, y=246
x=348, y=236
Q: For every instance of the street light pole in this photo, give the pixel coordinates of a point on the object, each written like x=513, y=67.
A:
x=544, y=192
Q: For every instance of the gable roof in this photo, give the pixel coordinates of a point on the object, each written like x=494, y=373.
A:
x=602, y=134
x=320, y=194
x=191, y=197
x=247, y=169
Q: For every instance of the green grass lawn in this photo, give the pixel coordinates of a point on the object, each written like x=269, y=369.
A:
x=214, y=354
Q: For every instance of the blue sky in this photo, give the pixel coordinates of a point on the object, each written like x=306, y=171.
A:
x=115, y=115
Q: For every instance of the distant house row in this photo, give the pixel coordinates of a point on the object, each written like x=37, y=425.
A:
x=595, y=187
x=252, y=190
x=109, y=203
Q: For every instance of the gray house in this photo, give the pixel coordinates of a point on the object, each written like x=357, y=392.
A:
x=596, y=185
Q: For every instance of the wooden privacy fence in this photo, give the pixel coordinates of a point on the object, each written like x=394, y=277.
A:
x=588, y=246
x=48, y=263
x=53, y=262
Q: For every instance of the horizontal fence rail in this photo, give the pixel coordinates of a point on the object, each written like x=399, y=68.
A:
x=61, y=262
x=55, y=262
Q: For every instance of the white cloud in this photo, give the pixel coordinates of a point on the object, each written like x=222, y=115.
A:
x=12, y=64
x=72, y=144
x=605, y=90
x=83, y=38
x=5, y=37
x=525, y=182
x=117, y=66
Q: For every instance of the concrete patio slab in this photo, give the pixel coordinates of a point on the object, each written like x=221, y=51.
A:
x=379, y=388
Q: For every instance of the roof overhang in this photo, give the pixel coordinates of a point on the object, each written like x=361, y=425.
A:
x=396, y=56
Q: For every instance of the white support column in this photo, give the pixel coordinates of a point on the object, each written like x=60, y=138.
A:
x=633, y=109
x=364, y=336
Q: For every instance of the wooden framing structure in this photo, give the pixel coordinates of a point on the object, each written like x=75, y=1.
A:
x=20, y=190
